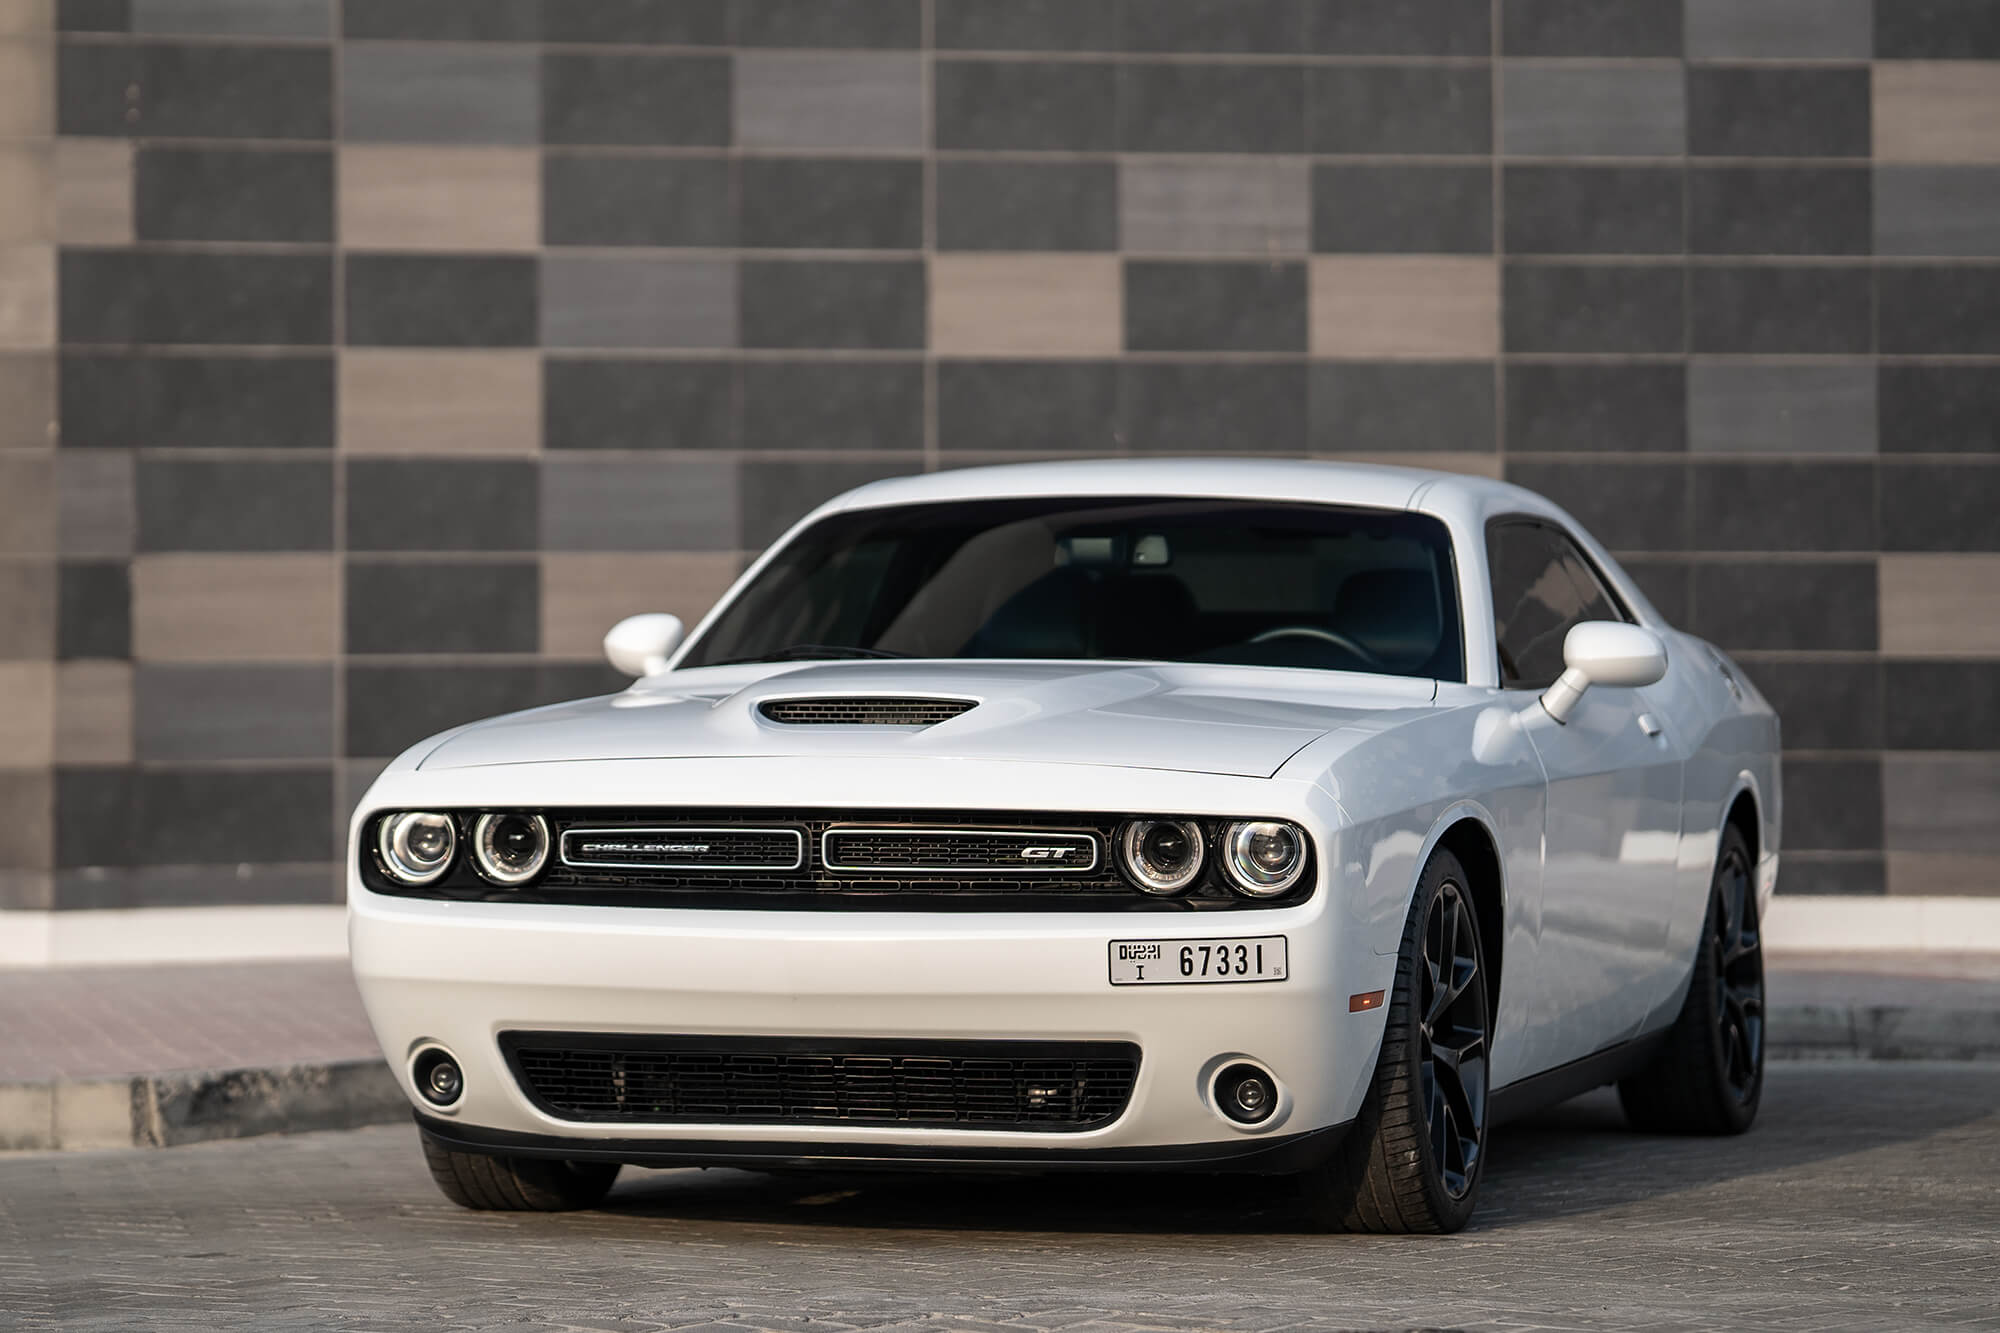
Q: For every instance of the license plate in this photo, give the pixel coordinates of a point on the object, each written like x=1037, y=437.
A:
x=1192, y=962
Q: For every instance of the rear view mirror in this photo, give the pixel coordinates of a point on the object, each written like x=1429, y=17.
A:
x=641, y=645
x=1604, y=652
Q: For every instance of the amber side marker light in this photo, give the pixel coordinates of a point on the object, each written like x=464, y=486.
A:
x=1362, y=1003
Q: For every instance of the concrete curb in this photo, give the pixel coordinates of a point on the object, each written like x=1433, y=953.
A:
x=1883, y=1032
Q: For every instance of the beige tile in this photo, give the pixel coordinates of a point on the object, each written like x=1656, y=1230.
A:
x=93, y=191
x=1405, y=306
x=234, y=608
x=27, y=714
x=585, y=595
x=1944, y=874
x=27, y=87
x=24, y=193
x=420, y=198
x=27, y=296
x=1937, y=111
x=27, y=608
x=423, y=402
x=1026, y=305
x=28, y=504
x=93, y=713
x=27, y=400
x=27, y=819
x=1939, y=605
x=24, y=17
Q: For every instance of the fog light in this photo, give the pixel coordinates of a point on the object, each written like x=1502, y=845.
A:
x=416, y=847
x=510, y=849
x=1246, y=1094
x=1162, y=855
x=438, y=1078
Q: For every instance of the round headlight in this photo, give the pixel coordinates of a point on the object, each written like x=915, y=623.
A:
x=510, y=849
x=1162, y=855
x=416, y=848
x=1263, y=858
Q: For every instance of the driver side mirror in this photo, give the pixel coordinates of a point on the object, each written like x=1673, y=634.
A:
x=641, y=645
x=1604, y=652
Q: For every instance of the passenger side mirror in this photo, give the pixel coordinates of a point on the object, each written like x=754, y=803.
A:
x=641, y=645
x=1604, y=652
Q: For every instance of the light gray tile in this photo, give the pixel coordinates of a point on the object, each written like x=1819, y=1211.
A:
x=1752, y=408
x=814, y=100
x=1593, y=111
x=638, y=302
x=591, y=504
x=1937, y=210
x=97, y=504
x=439, y=93
x=1215, y=207
x=233, y=712
x=1780, y=29
x=234, y=18
x=1941, y=803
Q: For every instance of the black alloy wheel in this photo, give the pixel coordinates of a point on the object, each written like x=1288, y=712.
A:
x=1452, y=1039
x=1737, y=949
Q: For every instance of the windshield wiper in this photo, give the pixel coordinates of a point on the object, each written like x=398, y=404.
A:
x=806, y=652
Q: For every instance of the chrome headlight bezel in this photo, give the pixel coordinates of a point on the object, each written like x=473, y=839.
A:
x=485, y=855
x=392, y=847
x=1244, y=873
x=1132, y=836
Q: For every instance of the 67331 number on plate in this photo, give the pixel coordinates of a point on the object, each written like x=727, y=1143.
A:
x=1191, y=962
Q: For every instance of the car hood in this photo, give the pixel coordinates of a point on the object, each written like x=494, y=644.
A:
x=1241, y=721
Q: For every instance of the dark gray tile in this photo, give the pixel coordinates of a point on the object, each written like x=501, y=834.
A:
x=412, y=504
x=232, y=712
x=1762, y=605
x=179, y=90
x=1189, y=306
x=234, y=18
x=1027, y=25
x=1938, y=409
x=610, y=404
x=444, y=20
x=417, y=93
x=1779, y=29
x=1938, y=309
x=832, y=405
x=831, y=204
x=1942, y=803
x=1937, y=210
x=1591, y=308
x=196, y=402
x=1189, y=108
x=1400, y=27
x=1214, y=27
x=1401, y=407
x=1052, y=406
x=1819, y=506
x=776, y=495
x=1626, y=506
x=1399, y=109
x=826, y=23
x=124, y=296
x=1025, y=104
x=229, y=506
x=1590, y=28
x=224, y=194
x=1772, y=111
x=1823, y=703
x=93, y=609
x=1833, y=804
x=1937, y=30
x=1941, y=706
x=1596, y=408
x=1778, y=210
x=435, y=607
x=1402, y=210
x=1576, y=110
x=95, y=15
x=95, y=816
x=1223, y=408
x=1752, y=407
x=441, y=301
x=1788, y=309
x=596, y=504
x=389, y=708
x=1828, y=874
x=1940, y=507
x=833, y=303
x=614, y=199
x=1667, y=584
x=162, y=817
x=1035, y=206
x=620, y=98
x=1593, y=210
x=239, y=884
x=617, y=22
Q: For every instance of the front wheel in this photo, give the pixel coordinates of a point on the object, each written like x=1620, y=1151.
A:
x=516, y=1184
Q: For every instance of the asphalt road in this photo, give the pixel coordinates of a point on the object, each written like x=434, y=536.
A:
x=1865, y=1198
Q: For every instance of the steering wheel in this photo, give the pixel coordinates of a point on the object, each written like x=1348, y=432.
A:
x=1334, y=637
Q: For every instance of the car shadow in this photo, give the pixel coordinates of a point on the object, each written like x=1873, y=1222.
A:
x=1577, y=1158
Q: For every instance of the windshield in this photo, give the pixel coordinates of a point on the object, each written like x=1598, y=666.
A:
x=1246, y=582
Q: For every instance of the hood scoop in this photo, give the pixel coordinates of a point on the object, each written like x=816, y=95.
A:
x=863, y=711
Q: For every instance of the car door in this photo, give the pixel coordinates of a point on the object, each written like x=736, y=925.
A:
x=1612, y=827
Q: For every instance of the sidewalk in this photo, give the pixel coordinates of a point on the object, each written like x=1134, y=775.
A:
x=153, y=1056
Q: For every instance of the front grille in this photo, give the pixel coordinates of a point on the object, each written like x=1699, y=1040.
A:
x=912, y=851
x=681, y=847
x=1045, y=1086
x=864, y=711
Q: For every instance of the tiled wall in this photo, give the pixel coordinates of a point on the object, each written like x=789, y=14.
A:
x=365, y=360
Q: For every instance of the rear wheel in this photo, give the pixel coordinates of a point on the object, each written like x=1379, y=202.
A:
x=1709, y=1076
x=1412, y=1160
x=516, y=1184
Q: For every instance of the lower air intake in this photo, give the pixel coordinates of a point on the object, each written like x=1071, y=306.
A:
x=853, y=711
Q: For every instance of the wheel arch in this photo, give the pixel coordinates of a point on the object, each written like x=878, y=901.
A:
x=1466, y=832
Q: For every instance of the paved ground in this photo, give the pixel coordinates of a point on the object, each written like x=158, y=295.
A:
x=1864, y=1199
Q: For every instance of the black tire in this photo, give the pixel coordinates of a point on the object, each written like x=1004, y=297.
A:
x=1709, y=1076
x=516, y=1184
x=1413, y=1158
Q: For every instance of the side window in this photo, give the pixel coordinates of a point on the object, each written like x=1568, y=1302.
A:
x=1542, y=585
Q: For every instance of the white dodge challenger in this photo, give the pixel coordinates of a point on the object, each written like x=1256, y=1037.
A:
x=1295, y=818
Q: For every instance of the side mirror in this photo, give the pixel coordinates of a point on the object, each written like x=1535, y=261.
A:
x=1604, y=652
x=641, y=645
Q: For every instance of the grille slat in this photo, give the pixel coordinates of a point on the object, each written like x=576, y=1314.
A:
x=664, y=1080
x=864, y=711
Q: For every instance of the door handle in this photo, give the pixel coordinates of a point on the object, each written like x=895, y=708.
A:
x=1649, y=724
